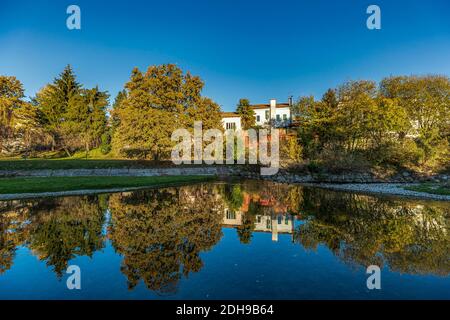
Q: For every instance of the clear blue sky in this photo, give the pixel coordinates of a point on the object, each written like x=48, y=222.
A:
x=241, y=48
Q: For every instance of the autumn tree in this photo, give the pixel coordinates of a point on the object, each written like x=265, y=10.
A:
x=19, y=126
x=426, y=100
x=157, y=102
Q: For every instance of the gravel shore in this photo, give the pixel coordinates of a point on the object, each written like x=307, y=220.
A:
x=382, y=188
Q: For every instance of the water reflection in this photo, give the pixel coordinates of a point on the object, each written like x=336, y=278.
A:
x=161, y=234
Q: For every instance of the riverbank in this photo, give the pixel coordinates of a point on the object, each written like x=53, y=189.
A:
x=21, y=188
x=368, y=181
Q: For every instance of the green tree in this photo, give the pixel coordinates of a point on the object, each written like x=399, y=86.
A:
x=246, y=113
x=114, y=116
x=85, y=120
x=55, y=101
x=74, y=117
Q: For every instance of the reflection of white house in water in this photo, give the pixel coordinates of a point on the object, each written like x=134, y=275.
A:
x=275, y=223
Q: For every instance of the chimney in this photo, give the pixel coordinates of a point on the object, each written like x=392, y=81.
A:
x=273, y=109
x=291, y=101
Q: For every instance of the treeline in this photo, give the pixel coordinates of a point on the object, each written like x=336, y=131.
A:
x=66, y=117
x=62, y=116
x=402, y=121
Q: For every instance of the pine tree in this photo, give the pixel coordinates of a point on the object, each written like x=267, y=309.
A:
x=73, y=116
x=246, y=113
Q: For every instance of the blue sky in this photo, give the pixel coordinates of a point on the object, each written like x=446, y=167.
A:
x=241, y=48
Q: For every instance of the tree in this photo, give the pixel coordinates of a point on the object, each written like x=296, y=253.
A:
x=74, y=117
x=330, y=99
x=85, y=120
x=54, y=101
x=246, y=113
x=353, y=124
x=19, y=126
x=114, y=117
x=426, y=101
x=11, y=99
x=154, y=105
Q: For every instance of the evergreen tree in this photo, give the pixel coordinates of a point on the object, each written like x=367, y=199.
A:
x=74, y=117
x=56, y=101
x=246, y=113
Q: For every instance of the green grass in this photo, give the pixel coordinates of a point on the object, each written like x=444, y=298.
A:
x=55, y=184
x=70, y=163
x=432, y=188
x=67, y=163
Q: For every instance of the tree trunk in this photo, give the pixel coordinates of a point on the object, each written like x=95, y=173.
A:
x=67, y=151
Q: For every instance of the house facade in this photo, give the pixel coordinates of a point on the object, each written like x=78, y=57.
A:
x=277, y=114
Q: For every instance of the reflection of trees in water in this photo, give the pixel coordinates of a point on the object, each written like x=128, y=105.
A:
x=63, y=228
x=12, y=224
x=409, y=236
x=161, y=232
x=56, y=229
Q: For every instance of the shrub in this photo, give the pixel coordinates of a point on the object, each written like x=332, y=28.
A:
x=105, y=146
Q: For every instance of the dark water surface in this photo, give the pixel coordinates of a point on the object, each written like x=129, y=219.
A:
x=248, y=240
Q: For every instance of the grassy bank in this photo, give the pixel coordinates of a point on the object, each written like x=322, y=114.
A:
x=432, y=188
x=39, y=164
x=68, y=163
x=55, y=184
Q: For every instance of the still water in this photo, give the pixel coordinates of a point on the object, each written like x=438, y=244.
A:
x=246, y=240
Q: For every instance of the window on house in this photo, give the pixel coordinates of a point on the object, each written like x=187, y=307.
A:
x=279, y=219
x=269, y=224
x=267, y=114
x=231, y=215
x=278, y=117
x=230, y=125
x=258, y=118
x=284, y=117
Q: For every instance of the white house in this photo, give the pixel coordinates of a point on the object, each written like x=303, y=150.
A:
x=279, y=114
x=231, y=120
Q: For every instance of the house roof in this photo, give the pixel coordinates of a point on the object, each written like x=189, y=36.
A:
x=265, y=106
x=254, y=107
x=230, y=114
